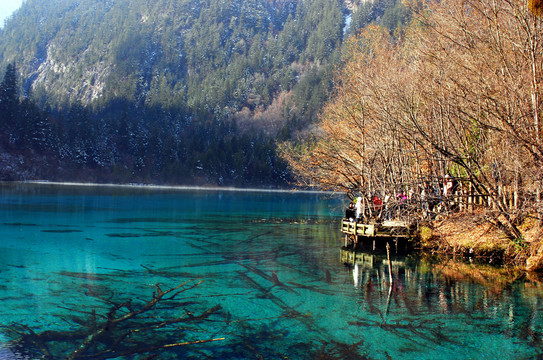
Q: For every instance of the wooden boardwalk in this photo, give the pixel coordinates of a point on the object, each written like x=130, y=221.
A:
x=357, y=233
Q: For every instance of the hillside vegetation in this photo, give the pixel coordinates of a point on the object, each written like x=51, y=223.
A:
x=163, y=91
x=168, y=91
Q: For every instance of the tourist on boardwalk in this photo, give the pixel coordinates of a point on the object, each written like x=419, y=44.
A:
x=428, y=198
x=387, y=211
x=447, y=186
x=455, y=186
x=350, y=213
x=358, y=207
x=450, y=188
x=377, y=206
x=402, y=198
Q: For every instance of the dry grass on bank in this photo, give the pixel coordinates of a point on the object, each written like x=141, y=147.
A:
x=471, y=235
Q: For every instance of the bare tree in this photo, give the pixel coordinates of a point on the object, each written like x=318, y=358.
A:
x=459, y=92
x=482, y=62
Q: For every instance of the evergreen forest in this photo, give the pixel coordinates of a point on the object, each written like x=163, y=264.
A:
x=170, y=92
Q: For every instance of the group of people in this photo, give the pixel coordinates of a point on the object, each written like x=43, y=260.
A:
x=427, y=198
x=358, y=211
x=432, y=196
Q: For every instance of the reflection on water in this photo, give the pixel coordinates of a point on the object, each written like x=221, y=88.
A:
x=268, y=264
x=465, y=310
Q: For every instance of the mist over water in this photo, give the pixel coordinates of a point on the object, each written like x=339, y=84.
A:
x=271, y=260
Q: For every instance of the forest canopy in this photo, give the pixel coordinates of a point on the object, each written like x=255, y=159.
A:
x=190, y=92
x=457, y=92
x=176, y=92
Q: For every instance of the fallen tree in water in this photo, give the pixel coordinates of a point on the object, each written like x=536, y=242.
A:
x=126, y=329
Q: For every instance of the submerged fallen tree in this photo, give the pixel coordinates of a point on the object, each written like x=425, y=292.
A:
x=126, y=329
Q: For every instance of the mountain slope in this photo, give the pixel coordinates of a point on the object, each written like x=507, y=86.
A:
x=177, y=91
x=195, y=54
x=164, y=91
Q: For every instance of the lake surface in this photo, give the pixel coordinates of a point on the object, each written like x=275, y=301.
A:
x=266, y=279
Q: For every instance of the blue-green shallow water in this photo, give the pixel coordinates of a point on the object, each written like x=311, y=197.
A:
x=272, y=261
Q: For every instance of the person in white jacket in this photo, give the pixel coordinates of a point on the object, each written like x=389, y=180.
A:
x=358, y=207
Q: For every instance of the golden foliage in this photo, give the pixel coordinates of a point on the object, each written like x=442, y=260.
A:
x=536, y=7
x=460, y=90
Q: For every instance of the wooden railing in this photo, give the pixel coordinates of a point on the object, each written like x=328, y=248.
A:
x=470, y=200
x=384, y=229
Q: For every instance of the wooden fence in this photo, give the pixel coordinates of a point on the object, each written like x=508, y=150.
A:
x=470, y=200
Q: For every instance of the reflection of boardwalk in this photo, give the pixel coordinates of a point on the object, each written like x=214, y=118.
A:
x=350, y=257
x=422, y=310
x=377, y=235
x=363, y=261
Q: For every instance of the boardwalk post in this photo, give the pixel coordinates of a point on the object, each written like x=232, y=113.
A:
x=389, y=263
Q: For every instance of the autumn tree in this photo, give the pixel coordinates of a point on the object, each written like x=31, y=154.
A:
x=458, y=92
x=360, y=146
x=480, y=75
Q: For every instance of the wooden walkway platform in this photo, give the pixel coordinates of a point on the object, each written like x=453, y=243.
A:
x=359, y=233
x=384, y=229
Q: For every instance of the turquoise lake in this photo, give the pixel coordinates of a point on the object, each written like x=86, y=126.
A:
x=264, y=275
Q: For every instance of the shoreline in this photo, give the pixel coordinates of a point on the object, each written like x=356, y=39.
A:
x=465, y=235
x=471, y=237
x=169, y=187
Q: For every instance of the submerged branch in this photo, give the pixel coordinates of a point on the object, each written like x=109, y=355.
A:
x=120, y=332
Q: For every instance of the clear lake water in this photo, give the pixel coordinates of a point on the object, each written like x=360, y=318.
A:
x=268, y=264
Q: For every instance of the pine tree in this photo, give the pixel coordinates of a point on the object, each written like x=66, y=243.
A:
x=9, y=98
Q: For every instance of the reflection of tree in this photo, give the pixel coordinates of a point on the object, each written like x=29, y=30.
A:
x=127, y=329
x=413, y=330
